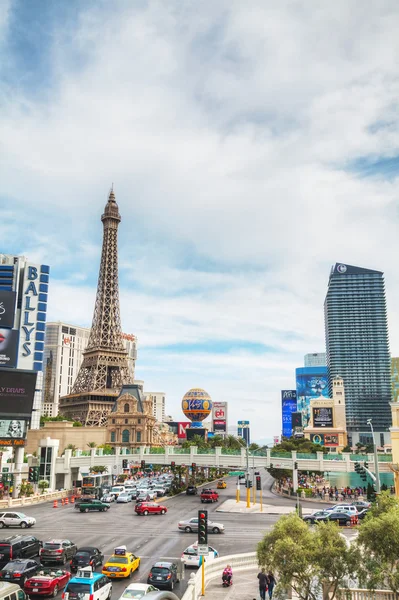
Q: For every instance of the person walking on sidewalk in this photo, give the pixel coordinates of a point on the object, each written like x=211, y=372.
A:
x=271, y=582
x=262, y=584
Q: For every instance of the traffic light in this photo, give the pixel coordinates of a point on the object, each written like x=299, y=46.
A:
x=258, y=482
x=358, y=468
x=366, y=465
x=193, y=465
x=124, y=463
x=36, y=474
x=202, y=527
x=249, y=483
x=295, y=466
x=142, y=465
x=31, y=474
x=173, y=464
x=257, y=473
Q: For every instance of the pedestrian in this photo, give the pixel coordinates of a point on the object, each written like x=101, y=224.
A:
x=271, y=582
x=262, y=584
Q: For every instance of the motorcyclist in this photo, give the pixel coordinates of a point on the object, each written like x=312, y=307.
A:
x=227, y=575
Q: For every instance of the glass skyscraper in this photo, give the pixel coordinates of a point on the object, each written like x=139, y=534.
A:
x=358, y=349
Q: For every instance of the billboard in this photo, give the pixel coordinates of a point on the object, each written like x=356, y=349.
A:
x=13, y=428
x=8, y=348
x=7, y=308
x=17, y=389
x=317, y=438
x=296, y=419
x=181, y=429
x=288, y=406
x=201, y=431
x=219, y=417
x=331, y=439
x=323, y=416
x=311, y=383
x=244, y=431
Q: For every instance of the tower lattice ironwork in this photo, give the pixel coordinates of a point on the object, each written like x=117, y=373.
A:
x=105, y=367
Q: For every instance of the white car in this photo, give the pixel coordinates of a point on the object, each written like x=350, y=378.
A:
x=16, y=519
x=124, y=497
x=343, y=508
x=190, y=556
x=135, y=591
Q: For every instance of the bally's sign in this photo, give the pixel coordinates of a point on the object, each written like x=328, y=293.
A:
x=29, y=310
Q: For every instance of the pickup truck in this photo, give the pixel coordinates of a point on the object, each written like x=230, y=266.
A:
x=209, y=496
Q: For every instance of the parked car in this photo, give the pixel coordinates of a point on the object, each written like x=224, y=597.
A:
x=191, y=490
x=19, y=570
x=16, y=519
x=362, y=513
x=57, y=551
x=209, y=496
x=18, y=546
x=135, y=591
x=159, y=491
x=150, y=508
x=343, y=507
x=46, y=582
x=314, y=517
x=192, y=525
x=340, y=517
x=95, y=505
x=163, y=575
x=146, y=496
x=86, y=556
x=361, y=504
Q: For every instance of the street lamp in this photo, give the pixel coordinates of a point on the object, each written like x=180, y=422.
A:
x=377, y=472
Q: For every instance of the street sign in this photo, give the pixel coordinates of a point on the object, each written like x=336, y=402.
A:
x=236, y=473
x=203, y=550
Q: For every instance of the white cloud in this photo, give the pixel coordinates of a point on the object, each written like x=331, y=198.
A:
x=226, y=129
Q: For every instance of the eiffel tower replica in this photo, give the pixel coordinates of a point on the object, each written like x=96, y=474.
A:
x=105, y=368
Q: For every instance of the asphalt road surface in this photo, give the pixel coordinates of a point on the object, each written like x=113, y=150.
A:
x=154, y=537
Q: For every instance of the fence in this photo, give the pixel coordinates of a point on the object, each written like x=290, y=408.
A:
x=214, y=570
x=361, y=594
x=29, y=500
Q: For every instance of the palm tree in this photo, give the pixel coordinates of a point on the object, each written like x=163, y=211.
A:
x=92, y=445
x=70, y=447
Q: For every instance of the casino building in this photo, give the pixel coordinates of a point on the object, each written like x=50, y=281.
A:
x=23, y=308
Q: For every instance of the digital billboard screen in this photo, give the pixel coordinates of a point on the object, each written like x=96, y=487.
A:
x=220, y=426
x=288, y=406
x=17, y=389
x=12, y=428
x=331, y=439
x=296, y=419
x=317, y=438
x=311, y=383
x=7, y=308
x=8, y=347
x=323, y=416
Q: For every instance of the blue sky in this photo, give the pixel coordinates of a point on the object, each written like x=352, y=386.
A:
x=251, y=147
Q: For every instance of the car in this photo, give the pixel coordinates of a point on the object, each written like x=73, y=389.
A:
x=121, y=564
x=316, y=516
x=221, y=485
x=16, y=519
x=19, y=570
x=135, y=591
x=362, y=513
x=340, y=517
x=191, y=490
x=146, y=496
x=209, y=496
x=123, y=498
x=85, y=500
x=159, y=491
x=57, y=551
x=343, y=507
x=18, y=546
x=361, y=504
x=116, y=490
x=150, y=508
x=86, y=556
x=95, y=505
x=191, y=558
x=46, y=582
x=192, y=525
x=164, y=575
x=108, y=498
x=87, y=584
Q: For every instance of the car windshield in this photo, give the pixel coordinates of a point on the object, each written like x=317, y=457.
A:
x=50, y=546
x=117, y=560
x=14, y=566
x=82, y=555
x=76, y=589
x=191, y=550
x=159, y=571
x=133, y=594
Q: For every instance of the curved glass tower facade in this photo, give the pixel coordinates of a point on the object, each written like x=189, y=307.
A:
x=358, y=348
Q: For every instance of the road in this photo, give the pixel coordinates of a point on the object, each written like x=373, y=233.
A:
x=155, y=537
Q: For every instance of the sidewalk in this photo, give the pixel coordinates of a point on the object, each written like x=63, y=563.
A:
x=232, y=506
x=245, y=587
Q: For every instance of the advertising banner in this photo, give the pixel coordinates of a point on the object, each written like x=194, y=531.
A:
x=331, y=439
x=181, y=429
x=7, y=308
x=323, y=416
x=288, y=406
x=8, y=347
x=311, y=383
x=14, y=428
x=17, y=389
x=296, y=419
x=219, y=416
x=12, y=442
x=276, y=439
x=317, y=438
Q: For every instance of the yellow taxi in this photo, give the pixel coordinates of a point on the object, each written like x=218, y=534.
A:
x=221, y=485
x=121, y=564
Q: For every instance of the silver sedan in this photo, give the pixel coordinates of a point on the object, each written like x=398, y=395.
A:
x=192, y=525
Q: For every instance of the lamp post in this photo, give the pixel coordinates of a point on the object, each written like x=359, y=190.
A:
x=377, y=472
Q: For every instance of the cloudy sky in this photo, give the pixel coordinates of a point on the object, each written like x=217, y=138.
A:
x=251, y=145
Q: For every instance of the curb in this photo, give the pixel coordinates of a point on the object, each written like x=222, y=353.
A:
x=166, y=498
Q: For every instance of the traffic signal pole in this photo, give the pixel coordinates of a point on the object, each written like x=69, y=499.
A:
x=238, y=490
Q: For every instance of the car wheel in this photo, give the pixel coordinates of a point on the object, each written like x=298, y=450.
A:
x=172, y=585
x=145, y=513
x=202, y=501
x=347, y=522
x=1, y=524
x=163, y=511
x=106, y=508
x=138, y=566
x=187, y=529
x=23, y=525
x=55, y=591
x=130, y=575
x=216, y=530
x=22, y=582
x=86, y=510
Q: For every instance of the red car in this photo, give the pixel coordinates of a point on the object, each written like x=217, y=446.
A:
x=47, y=582
x=209, y=496
x=150, y=508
